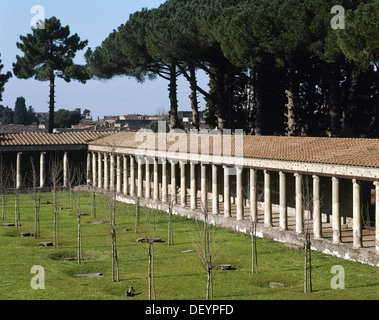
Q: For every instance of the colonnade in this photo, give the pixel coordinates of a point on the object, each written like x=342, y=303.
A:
x=116, y=172
x=42, y=170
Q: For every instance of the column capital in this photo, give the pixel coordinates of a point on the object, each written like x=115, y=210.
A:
x=297, y=175
x=355, y=181
x=335, y=179
x=376, y=183
x=317, y=178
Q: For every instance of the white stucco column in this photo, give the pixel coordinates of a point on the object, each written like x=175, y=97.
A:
x=283, y=201
x=173, y=182
x=376, y=183
x=299, y=203
x=193, y=185
x=42, y=169
x=267, y=195
x=118, y=173
x=253, y=196
x=164, y=181
x=215, y=206
x=112, y=172
x=65, y=169
x=94, y=170
x=183, y=192
x=106, y=178
x=139, y=177
x=132, y=189
x=125, y=174
x=204, y=189
x=357, y=220
x=147, y=179
x=317, y=232
x=156, y=181
x=100, y=178
x=227, y=206
x=239, y=193
x=336, y=216
x=88, y=173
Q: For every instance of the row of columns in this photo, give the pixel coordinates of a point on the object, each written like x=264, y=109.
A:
x=42, y=172
x=102, y=180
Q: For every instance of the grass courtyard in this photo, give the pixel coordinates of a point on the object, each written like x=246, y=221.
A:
x=178, y=275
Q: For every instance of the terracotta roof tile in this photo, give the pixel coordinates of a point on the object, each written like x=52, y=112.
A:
x=341, y=151
x=43, y=138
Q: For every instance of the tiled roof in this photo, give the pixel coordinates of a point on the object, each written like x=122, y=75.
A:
x=44, y=138
x=339, y=151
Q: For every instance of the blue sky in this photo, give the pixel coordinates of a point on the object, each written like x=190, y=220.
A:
x=92, y=20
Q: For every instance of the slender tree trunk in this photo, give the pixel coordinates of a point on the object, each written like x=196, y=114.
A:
x=172, y=88
x=51, y=103
x=170, y=228
x=193, y=98
x=137, y=216
x=291, y=94
x=149, y=269
x=17, y=210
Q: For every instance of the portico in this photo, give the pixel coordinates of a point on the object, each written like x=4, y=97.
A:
x=288, y=196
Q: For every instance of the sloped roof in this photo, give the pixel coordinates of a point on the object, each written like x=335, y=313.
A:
x=340, y=151
x=44, y=138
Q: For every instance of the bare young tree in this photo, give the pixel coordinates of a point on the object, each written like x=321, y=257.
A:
x=203, y=244
x=78, y=213
x=307, y=208
x=56, y=175
x=170, y=241
x=138, y=208
x=16, y=192
x=149, y=229
x=35, y=194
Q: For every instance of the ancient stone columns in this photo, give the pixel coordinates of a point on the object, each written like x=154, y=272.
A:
x=42, y=169
x=18, y=171
x=193, y=185
x=336, y=218
x=253, y=195
x=65, y=169
x=316, y=208
x=267, y=199
x=357, y=220
x=164, y=181
x=239, y=192
x=227, y=207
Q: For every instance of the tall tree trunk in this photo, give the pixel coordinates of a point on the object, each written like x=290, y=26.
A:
x=51, y=104
x=174, y=121
x=193, y=98
x=291, y=94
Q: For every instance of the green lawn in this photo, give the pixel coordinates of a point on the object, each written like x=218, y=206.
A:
x=177, y=275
